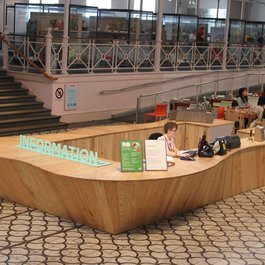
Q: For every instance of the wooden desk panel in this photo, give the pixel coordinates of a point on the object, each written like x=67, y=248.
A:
x=218, y=128
x=113, y=201
x=106, y=139
x=244, y=133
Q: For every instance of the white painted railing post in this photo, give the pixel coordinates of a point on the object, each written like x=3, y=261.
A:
x=65, y=55
x=5, y=49
x=65, y=37
x=48, y=52
x=228, y=8
x=158, y=41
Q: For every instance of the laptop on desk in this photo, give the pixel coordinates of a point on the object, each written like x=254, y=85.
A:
x=191, y=152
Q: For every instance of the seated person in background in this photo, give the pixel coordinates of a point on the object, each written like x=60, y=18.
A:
x=170, y=130
x=234, y=104
x=261, y=102
x=242, y=98
x=243, y=103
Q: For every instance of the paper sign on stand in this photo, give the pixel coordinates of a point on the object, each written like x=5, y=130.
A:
x=155, y=155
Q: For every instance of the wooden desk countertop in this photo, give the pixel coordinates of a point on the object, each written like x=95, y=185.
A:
x=112, y=172
x=113, y=201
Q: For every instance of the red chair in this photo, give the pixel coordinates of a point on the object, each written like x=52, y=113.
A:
x=221, y=113
x=160, y=111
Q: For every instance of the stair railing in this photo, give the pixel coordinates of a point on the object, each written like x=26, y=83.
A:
x=21, y=54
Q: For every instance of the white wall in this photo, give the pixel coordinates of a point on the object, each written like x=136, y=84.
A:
x=235, y=11
x=170, y=7
x=119, y=4
x=92, y=105
x=255, y=12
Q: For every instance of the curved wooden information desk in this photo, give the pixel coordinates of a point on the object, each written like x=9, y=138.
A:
x=113, y=201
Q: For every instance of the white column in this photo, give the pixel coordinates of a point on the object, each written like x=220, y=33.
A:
x=242, y=15
x=5, y=49
x=2, y=11
x=176, y=7
x=217, y=9
x=65, y=37
x=48, y=38
x=158, y=41
x=228, y=7
x=141, y=5
x=197, y=7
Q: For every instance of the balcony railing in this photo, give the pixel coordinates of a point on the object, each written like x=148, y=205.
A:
x=91, y=56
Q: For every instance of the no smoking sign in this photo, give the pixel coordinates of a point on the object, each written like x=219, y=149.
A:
x=59, y=93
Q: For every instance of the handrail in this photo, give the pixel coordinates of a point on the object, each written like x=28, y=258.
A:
x=20, y=53
x=184, y=87
x=120, y=90
x=114, y=91
x=198, y=84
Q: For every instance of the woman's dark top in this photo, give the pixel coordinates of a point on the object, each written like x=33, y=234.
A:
x=261, y=101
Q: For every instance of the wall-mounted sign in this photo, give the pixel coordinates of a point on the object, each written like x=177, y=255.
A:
x=59, y=93
x=131, y=156
x=71, y=97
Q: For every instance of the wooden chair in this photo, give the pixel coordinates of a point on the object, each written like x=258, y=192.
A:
x=154, y=136
x=221, y=113
x=160, y=112
x=232, y=115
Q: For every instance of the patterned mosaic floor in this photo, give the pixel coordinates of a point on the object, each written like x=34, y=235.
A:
x=227, y=232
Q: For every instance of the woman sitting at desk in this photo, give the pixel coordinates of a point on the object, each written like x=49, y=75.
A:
x=170, y=130
x=261, y=102
x=243, y=103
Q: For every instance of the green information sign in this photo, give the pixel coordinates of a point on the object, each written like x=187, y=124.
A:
x=131, y=156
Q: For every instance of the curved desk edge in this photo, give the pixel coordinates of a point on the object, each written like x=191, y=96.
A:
x=117, y=204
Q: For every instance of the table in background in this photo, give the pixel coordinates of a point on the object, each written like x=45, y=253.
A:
x=250, y=116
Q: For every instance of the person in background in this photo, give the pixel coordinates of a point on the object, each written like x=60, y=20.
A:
x=164, y=34
x=170, y=131
x=242, y=98
x=201, y=35
x=261, y=102
x=234, y=104
x=192, y=37
x=243, y=103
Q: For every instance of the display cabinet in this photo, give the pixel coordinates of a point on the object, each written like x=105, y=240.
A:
x=236, y=31
x=253, y=33
x=188, y=27
x=171, y=23
x=215, y=29
x=129, y=25
x=23, y=21
x=10, y=14
x=112, y=24
x=141, y=25
x=34, y=19
x=88, y=24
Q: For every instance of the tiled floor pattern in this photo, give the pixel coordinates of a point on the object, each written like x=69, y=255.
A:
x=227, y=232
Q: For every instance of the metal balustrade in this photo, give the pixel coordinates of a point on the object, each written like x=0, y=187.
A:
x=166, y=95
x=93, y=56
